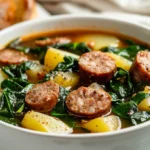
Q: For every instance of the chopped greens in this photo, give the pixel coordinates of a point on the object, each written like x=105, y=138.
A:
x=60, y=110
x=121, y=83
x=70, y=64
x=77, y=48
x=128, y=52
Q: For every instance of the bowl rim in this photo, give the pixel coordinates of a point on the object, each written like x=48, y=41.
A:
x=86, y=135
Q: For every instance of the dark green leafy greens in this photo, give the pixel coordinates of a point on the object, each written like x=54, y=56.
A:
x=18, y=71
x=70, y=64
x=128, y=109
x=77, y=48
x=60, y=110
x=128, y=52
x=121, y=83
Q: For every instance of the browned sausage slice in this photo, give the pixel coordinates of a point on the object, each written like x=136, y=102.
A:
x=140, y=69
x=9, y=56
x=43, y=97
x=96, y=66
x=89, y=103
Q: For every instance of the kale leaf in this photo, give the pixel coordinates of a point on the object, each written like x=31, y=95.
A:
x=140, y=117
x=127, y=109
x=70, y=64
x=18, y=71
x=77, y=48
x=121, y=83
x=128, y=52
x=60, y=110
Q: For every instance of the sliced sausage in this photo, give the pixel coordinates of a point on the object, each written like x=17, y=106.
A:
x=88, y=103
x=140, y=69
x=43, y=97
x=96, y=66
x=51, y=41
x=9, y=56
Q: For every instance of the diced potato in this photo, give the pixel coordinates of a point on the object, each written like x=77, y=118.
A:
x=120, y=61
x=55, y=56
x=67, y=79
x=3, y=76
x=103, y=124
x=99, y=40
x=145, y=104
x=35, y=73
x=41, y=122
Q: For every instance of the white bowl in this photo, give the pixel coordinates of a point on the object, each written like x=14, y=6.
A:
x=132, y=138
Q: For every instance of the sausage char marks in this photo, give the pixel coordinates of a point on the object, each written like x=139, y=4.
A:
x=43, y=97
x=96, y=66
x=10, y=56
x=88, y=103
x=140, y=69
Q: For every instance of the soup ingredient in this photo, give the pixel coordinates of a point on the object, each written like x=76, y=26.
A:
x=3, y=76
x=36, y=72
x=77, y=48
x=52, y=41
x=43, y=96
x=12, y=100
x=128, y=52
x=55, y=56
x=69, y=64
x=18, y=71
x=66, y=79
x=41, y=122
x=121, y=83
x=120, y=61
x=100, y=40
x=10, y=56
x=127, y=109
x=96, y=66
x=144, y=105
x=103, y=124
x=140, y=70
x=140, y=117
x=60, y=109
x=89, y=103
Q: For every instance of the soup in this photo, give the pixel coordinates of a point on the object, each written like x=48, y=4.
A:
x=75, y=82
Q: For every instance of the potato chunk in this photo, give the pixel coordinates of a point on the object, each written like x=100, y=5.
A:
x=103, y=124
x=67, y=79
x=55, y=56
x=120, y=61
x=41, y=122
x=3, y=76
x=145, y=104
x=99, y=40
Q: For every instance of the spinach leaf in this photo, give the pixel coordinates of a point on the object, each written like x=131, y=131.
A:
x=128, y=52
x=121, y=83
x=18, y=71
x=140, y=117
x=126, y=109
x=60, y=110
x=39, y=51
x=12, y=121
x=70, y=64
x=77, y=48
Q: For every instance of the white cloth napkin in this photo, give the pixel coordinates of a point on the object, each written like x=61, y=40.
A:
x=131, y=10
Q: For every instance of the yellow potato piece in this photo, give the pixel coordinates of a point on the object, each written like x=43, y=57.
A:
x=3, y=76
x=41, y=122
x=100, y=40
x=103, y=124
x=145, y=104
x=55, y=56
x=67, y=79
x=120, y=61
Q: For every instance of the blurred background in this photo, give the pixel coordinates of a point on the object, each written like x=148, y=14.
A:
x=15, y=11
